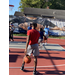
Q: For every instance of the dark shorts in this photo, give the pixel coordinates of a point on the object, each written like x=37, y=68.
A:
x=45, y=37
x=40, y=40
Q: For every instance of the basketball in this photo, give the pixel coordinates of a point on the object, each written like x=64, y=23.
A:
x=27, y=59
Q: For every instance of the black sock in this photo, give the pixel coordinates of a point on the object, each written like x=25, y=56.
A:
x=34, y=69
x=23, y=64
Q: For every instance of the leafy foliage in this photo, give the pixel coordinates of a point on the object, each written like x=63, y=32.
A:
x=53, y=4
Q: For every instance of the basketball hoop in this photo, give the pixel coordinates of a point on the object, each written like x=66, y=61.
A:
x=11, y=7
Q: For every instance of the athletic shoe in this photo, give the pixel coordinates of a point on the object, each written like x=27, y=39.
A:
x=41, y=44
x=35, y=72
x=45, y=43
x=22, y=67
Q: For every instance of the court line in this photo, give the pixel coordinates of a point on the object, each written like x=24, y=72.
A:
x=23, y=45
x=26, y=37
x=37, y=66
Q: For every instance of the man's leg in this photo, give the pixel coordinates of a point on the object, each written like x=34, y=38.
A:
x=35, y=64
x=29, y=51
x=12, y=35
x=44, y=39
x=23, y=63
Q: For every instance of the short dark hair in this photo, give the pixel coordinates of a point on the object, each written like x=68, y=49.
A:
x=30, y=24
x=41, y=29
x=9, y=21
x=34, y=24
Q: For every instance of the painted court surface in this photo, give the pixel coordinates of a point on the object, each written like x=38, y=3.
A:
x=51, y=60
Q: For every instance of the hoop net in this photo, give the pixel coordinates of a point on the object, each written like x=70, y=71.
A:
x=11, y=7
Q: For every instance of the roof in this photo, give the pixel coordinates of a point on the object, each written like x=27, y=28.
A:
x=18, y=13
x=52, y=13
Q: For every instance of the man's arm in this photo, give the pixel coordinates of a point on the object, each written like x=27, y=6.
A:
x=27, y=42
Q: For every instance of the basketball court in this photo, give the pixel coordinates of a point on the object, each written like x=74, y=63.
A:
x=51, y=60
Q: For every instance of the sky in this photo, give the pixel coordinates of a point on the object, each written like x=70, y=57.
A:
x=16, y=5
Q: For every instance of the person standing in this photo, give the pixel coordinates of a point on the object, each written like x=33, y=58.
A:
x=32, y=46
x=11, y=27
x=12, y=31
x=40, y=41
x=9, y=31
x=30, y=27
x=46, y=34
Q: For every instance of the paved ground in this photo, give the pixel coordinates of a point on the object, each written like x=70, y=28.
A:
x=51, y=60
x=22, y=45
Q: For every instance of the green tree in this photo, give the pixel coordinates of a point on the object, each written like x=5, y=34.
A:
x=53, y=4
x=57, y=4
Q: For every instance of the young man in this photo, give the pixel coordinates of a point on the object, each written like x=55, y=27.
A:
x=30, y=27
x=11, y=29
x=9, y=34
x=46, y=34
x=40, y=41
x=32, y=46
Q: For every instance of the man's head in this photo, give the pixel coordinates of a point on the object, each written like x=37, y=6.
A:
x=46, y=26
x=34, y=25
x=30, y=24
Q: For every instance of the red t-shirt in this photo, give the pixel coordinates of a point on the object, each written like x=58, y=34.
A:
x=34, y=36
